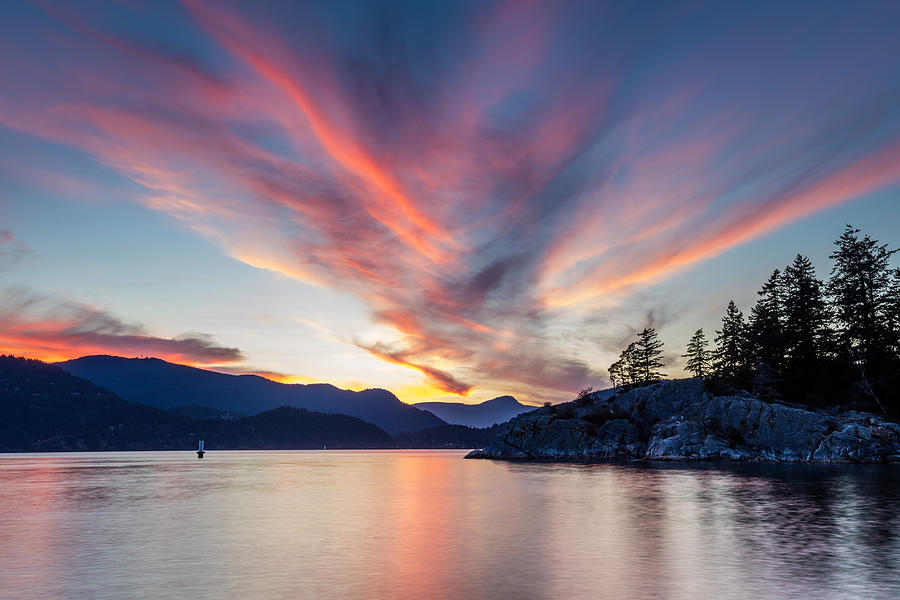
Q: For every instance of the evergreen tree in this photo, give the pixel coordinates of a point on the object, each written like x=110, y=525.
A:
x=648, y=356
x=806, y=313
x=861, y=297
x=624, y=372
x=731, y=355
x=893, y=313
x=639, y=363
x=766, y=337
x=811, y=342
x=629, y=358
x=890, y=378
x=616, y=375
x=806, y=333
x=766, y=324
x=697, y=355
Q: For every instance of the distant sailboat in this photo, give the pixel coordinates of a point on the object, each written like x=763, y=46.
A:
x=200, y=450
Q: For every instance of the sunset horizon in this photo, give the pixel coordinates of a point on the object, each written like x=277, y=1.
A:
x=455, y=202
x=450, y=300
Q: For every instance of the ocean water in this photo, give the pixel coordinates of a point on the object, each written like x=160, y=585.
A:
x=428, y=524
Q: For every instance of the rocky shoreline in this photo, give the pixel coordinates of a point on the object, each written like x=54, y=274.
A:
x=681, y=420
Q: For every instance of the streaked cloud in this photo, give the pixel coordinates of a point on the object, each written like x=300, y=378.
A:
x=440, y=380
x=42, y=327
x=485, y=177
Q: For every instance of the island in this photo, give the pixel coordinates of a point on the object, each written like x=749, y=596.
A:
x=683, y=420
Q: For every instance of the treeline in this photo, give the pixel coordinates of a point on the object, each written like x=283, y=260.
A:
x=449, y=436
x=805, y=340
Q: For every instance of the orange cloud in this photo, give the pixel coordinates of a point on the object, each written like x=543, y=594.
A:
x=467, y=188
x=437, y=378
x=749, y=221
x=39, y=328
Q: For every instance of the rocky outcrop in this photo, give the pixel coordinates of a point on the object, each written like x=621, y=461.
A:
x=680, y=420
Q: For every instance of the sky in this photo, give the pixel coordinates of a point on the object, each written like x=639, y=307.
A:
x=450, y=200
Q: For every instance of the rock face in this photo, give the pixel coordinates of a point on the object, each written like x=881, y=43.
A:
x=679, y=420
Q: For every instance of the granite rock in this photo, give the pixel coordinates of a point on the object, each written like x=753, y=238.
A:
x=681, y=420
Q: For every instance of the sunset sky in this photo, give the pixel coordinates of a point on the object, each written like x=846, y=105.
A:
x=451, y=200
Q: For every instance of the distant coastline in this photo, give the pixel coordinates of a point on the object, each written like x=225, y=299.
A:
x=43, y=408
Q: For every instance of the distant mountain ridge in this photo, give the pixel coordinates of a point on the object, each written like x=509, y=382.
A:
x=167, y=385
x=485, y=414
x=44, y=408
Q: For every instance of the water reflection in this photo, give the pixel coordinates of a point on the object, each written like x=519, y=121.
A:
x=426, y=524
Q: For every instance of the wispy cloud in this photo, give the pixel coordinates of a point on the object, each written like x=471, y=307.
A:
x=42, y=327
x=483, y=176
x=439, y=379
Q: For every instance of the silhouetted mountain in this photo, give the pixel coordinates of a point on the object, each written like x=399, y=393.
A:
x=44, y=408
x=166, y=385
x=289, y=428
x=490, y=412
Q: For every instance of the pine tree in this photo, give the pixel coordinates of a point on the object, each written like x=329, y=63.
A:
x=766, y=337
x=893, y=313
x=805, y=311
x=648, y=354
x=697, y=355
x=639, y=363
x=808, y=341
x=731, y=355
x=616, y=375
x=806, y=333
x=860, y=293
x=766, y=324
x=624, y=372
x=889, y=387
x=630, y=360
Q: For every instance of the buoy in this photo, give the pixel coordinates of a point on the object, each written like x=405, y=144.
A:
x=200, y=451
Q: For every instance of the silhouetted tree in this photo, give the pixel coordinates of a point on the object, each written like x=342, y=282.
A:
x=893, y=312
x=806, y=332
x=732, y=348
x=808, y=341
x=766, y=337
x=617, y=375
x=862, y=291
x=859, y=290
x=639, y=363
x=629, y=358
x=890, y=380
x=648, y=356
x=697, y=355
x=766, y=323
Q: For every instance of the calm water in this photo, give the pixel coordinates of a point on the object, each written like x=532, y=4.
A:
x=427, y=524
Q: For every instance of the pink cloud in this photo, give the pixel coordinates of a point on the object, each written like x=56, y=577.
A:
x=527, y=178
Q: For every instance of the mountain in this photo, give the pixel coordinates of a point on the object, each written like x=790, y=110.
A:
x=167, y=385
x=44, y=408
x=490, y=412
x=289, y=428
